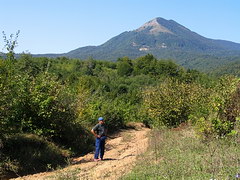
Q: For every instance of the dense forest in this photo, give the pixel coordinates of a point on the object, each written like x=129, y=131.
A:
x=49, y=105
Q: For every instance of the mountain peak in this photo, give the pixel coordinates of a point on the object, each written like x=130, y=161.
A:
x=154, y=27
x=162, y=38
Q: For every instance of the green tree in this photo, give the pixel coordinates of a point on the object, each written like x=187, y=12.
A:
x=145, y=65
x=124, y=66
x=220, y=110
x=168, y=68
x=10, y=44
x=171, y=103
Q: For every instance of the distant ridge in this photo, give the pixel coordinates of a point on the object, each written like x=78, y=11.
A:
x=162, y=38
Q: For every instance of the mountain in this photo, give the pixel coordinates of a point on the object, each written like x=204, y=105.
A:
x=162, y=38
x=228, y=68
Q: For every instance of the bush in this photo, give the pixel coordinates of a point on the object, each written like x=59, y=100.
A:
x=114, y=120
x=170, y=103
x=97, y=107
x=14, y=94
x=55, y=115
x=218, y=113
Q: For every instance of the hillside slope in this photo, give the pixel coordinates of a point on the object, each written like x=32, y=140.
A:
x=165, y=39
x=160, y=37
x=121, y=154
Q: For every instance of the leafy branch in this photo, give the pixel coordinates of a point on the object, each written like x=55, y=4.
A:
x=10, y=44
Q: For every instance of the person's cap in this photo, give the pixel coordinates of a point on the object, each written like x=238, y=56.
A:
x=100, y=119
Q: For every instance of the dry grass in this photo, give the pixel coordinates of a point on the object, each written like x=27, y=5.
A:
x=178, y=154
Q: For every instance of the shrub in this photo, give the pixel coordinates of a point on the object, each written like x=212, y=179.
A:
x=96, y=107
x=218, y=113
x=14, y=95
x=55, y=115
x=170, y=103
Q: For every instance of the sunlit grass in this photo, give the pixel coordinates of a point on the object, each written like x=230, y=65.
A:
x=178, y=154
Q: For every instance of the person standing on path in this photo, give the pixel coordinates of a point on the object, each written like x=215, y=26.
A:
x=100, y=132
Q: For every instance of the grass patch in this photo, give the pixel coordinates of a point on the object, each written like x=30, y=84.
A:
x=28, y=153
x=178, y=154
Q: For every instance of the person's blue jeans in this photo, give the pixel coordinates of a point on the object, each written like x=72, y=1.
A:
x=100, y=147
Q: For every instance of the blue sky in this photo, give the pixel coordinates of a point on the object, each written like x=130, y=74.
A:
x=58, y=26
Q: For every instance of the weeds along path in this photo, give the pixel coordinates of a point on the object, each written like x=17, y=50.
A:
x=120, y=156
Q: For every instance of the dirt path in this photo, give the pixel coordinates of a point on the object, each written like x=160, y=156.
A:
x=120, y=156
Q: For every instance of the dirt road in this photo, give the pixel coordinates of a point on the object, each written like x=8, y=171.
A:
x=120, y=156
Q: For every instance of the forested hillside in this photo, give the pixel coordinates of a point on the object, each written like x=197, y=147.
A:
x=232, y=68
x=49, y=105
x=165, y=39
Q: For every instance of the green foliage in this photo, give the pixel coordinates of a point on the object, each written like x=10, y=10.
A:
x=60, y=99
x=114, y=117
x=11, y=44
x=124, y=66
x=145, y=65
x=230, y=67
x=28, y=66
x=219, y=111
x=39, y=105
x=212, y=107
x=171, y=102
x=111, y=112
x=13, y=95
